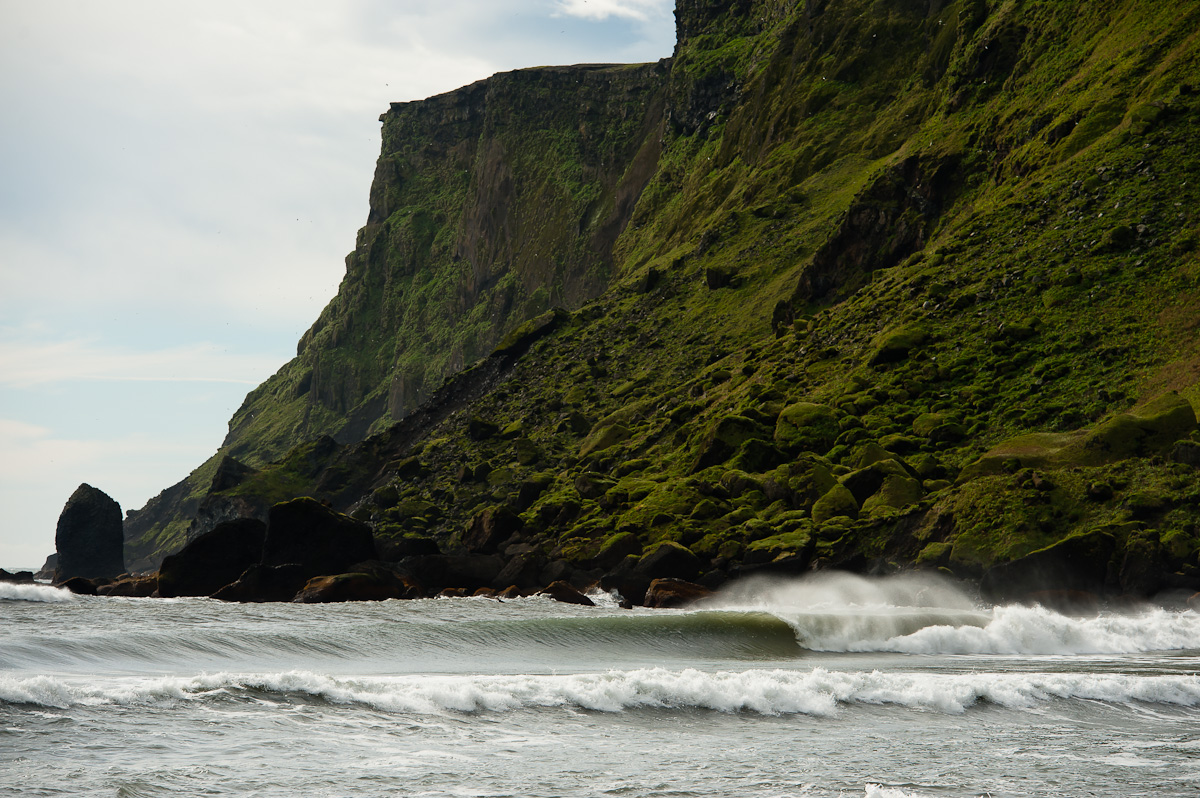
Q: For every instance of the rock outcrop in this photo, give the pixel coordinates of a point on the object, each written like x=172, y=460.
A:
x=213, y=560
x=839, y=285
x=318, y=539
x=89, y=539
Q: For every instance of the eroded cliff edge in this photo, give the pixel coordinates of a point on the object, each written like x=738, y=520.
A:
x=906, y=283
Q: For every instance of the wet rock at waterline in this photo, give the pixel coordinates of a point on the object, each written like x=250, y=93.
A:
x=89, y=539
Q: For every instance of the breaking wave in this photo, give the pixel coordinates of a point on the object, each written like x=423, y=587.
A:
x=19, y=591
x=920, y=615
x=816, y=692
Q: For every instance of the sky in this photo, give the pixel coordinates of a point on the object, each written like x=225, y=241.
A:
x=180, y=183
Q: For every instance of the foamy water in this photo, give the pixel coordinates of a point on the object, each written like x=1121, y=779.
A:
x=829, y=687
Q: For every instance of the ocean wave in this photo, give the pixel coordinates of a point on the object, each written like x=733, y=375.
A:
x=922, y=614
x=16, y=591
x=818, y=692
x=751, y=636
x=1011, y=630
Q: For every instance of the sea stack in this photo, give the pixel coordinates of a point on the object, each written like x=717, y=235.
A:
x=89, y=540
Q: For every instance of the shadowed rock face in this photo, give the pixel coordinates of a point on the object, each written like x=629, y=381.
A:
x=89, y=539
x=320, y=540
x=213, y=560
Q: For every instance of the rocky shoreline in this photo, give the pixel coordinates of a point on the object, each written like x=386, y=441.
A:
x=308, y=553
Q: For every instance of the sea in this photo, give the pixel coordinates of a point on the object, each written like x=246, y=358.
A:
x=834, y=685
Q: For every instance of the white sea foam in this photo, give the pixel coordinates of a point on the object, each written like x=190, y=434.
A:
x=1036, y=630
x=769, y=692
x=879, y=791
x=926, y=615
x=15, y=591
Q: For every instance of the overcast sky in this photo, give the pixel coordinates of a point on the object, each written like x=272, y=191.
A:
x=179, y=184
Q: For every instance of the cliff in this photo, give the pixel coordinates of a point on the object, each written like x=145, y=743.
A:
x=844, y=283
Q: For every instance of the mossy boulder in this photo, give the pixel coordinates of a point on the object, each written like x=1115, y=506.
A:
x=479, y=429
x=757, y=456
x=604, y=436
x=669, y=560
x=617, y=548
x=866, y=482
x=526, y=451
x=723, y=438
x=870, y=453
x=896, y=492
x=489, y=528
x=518, y=341
x=838, y=501
x=807, y=426
x=812, y=482
x=796, y=543
x=1151, y=428
x=593, y=485
x=895, y=345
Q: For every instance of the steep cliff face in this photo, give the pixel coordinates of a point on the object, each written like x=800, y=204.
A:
x=490, y=205
x=879, y=283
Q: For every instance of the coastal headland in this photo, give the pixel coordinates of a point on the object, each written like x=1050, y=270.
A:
x=873, y=286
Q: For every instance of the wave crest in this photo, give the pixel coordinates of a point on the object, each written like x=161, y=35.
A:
x=19, y=591
x=767, y=692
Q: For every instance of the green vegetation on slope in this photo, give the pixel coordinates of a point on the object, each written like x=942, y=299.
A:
x=891, y=265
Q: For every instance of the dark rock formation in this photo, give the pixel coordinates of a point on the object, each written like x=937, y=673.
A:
x=82, y=586
x=19, y=576
x=89, y=539
x=262, y=583
x=130, y=585
x=48, y=568
x=364, y=584
x=489, y=529
x=1079, y=563
x=674, y=593
x=318, y=539
x=566, y=593
x=213, y=560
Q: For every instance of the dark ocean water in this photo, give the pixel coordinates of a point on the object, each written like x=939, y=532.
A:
x=834, y=687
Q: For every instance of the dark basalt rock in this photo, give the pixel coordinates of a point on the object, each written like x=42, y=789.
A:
x=19, y=576
x=447, y=571
x=521, y=571
x=262, y=583
x=377, y=584
x=48, y=568
x=489, y=529
x=213, y=560
x=1079, y=563
x=674, y=593
x=130, y=585
x=89, y=539
x=566, y=593
x=315, y=537
x=81, y=586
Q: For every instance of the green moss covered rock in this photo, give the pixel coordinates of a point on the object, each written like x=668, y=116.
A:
x=838, y=501
x=895, y=345
x=807, y=426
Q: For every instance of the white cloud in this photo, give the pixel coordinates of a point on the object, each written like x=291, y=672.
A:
x=39, y=471
x=641, y=10
x=25, y=364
